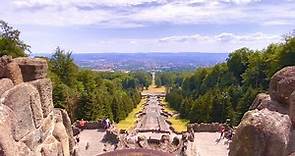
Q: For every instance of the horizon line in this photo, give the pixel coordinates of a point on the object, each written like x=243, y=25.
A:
x=131, y=52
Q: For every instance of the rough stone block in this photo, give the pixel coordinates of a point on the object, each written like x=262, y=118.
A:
x=51, y=147
x=24, y=100
x=68, y=126
x=23, y=150
x=4, y=60
x=13, y=72
x=292, y=108
x=7, y=121
x=5, y=84
x=264, y=101
x=261, y=133
x=48, y=124
x=282, y=84
x=32, y=69
x=33, y=139
x=60, y=134
x=44, y=87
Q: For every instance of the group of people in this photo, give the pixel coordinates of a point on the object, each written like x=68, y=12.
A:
x=82, y=124
x=106, y=123
x=226, y=131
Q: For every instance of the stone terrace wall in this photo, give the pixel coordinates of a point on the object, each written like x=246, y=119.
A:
x=29, y=124
x=90, y=125
x=204, y=127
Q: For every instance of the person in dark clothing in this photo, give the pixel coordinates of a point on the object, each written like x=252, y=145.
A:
x=77, y=139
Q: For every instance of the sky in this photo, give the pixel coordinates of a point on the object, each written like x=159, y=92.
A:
x=86, y=26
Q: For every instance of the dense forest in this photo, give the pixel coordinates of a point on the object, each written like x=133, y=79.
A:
x=83, y=93
x=226, y=90
x=94, y=95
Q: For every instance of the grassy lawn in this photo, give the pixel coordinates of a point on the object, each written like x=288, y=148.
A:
x=130, y=121
x=155, y=89
x=177, y=123
x=166, y=107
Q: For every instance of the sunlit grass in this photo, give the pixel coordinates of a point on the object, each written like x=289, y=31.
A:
x=154, y=89
x=178, y=124
x=166, y=107
x=130, y=121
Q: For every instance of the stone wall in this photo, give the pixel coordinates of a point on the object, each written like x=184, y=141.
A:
x=268, y=127
x=90, y=125
x=29, y=124
x=204, y=127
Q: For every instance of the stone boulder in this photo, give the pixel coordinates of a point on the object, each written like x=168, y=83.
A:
x=263, y=100
x=13, y=72
x=4, y=60
x=67, y=123
x=261, y=133
x=7, y=121
x=29, y=126
x=51, y=147
x=60, y=132
x=292, y=108
x=282, y=85
x=44, y=87
x=5, y=84
x=291, y=146
x=24, y=100
x=32, y=69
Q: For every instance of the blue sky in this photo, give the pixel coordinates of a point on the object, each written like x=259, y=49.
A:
x=149, y=25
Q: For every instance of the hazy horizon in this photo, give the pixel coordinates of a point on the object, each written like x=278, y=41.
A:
x=73, y=52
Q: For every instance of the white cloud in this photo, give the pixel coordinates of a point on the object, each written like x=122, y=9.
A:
x=185, y=38
x=66, y=3
x=225, y=14
x=127, y=13
x=223, y=37
x=186, y=43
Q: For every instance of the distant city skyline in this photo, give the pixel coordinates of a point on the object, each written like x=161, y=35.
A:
x=86, y=26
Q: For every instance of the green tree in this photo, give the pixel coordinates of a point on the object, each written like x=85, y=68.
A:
x=10, y=43
x=238, y=61
x=62, y=64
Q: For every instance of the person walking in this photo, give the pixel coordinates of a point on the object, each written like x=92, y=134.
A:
x=221, y=130
x=82, y=124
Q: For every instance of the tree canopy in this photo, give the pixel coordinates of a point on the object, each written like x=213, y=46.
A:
x=10, y=43
x=93, y=95
x=226, y=90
